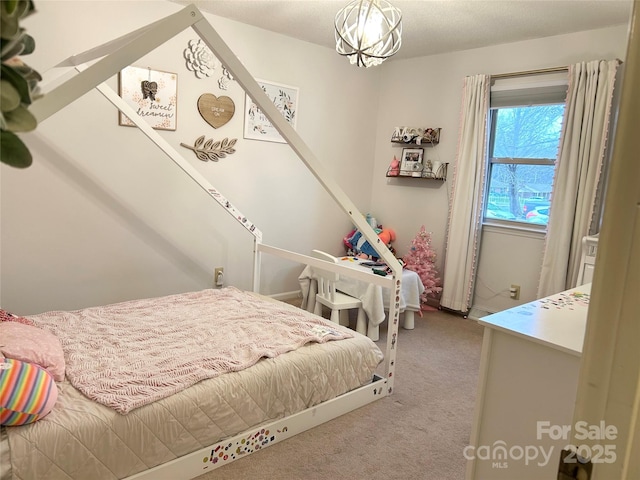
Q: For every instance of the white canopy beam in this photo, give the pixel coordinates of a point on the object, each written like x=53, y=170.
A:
x=120, y=53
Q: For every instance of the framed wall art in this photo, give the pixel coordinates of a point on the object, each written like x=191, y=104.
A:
x=256, y=125
x=411, y=163
x=153, y=94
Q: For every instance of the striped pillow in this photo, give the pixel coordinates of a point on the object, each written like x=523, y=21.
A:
x=27, y=392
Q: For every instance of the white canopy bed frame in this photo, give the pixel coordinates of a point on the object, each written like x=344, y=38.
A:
x=76, y=78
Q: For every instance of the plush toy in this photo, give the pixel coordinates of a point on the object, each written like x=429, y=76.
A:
x=394, y=167
x=363, y=249
x=347, y=243
x=387, y=236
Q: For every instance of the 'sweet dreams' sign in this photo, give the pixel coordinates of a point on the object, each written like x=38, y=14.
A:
x=152, y=94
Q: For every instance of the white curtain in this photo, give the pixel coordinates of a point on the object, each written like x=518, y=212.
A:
x=465, y=211
x=580, y=159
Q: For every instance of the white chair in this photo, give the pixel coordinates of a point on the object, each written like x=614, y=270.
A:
x=339, y=303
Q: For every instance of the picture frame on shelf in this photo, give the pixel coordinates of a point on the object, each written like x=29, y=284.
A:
x=411, y=162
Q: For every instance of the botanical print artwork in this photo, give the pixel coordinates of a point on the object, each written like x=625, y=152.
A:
x=257, y=126
x=152, y=94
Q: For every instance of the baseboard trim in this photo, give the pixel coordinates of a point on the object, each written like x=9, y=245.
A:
x=433, y=302
x=287, y=295
x=479, y=311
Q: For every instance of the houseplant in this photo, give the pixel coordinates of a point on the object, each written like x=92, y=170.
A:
x=18, y=81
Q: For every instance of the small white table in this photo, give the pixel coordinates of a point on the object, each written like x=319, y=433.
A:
x=375, y=299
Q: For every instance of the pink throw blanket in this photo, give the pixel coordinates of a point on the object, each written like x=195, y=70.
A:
x=130, y=354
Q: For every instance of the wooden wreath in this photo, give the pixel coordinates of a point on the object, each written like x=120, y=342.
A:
x=210, y=150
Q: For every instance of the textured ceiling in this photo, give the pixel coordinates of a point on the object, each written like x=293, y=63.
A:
x=431, y=26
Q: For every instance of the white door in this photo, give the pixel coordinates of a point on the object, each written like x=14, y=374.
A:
x=608, y=400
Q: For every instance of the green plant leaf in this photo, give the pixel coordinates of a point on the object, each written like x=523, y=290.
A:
x=20, y=44
x=17, y=8
x=12, y=47
x=28, y=43
x=13, y=152
x=18, y=82
x=10, y=14
x=29, y=74
x=11, y=6
x=9, y=96
x=20, y=120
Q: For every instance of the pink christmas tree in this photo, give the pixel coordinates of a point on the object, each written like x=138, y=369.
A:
x=421, y=259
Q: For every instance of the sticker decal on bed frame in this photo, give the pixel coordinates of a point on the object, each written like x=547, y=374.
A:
x=233, y=211
x=249, y=444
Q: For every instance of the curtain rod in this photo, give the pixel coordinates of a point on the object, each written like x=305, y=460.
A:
x=538, y=71
x=531, y=72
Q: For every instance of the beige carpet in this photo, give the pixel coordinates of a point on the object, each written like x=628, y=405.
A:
x=418, y=433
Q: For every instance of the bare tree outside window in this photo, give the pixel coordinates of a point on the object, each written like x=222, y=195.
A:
x=523, y=150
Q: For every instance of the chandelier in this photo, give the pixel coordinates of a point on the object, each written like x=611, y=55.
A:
x=368, y=32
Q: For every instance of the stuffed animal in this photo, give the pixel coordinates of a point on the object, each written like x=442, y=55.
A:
x=387, y=236
x=394, y=167
x=363, y=249
x=347, y=243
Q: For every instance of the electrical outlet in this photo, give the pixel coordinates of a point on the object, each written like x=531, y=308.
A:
x=218, y=277
x=514, y=292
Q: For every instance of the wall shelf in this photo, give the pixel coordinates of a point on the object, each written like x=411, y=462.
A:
x=439, y=174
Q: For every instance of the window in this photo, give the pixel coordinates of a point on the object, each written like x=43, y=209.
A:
x=526, y=125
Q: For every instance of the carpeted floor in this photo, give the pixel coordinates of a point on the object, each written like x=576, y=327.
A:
x=417, y=433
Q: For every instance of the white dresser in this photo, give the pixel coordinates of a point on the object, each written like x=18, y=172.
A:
x=527, y=385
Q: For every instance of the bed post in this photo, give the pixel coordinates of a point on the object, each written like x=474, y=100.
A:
x=256, y=264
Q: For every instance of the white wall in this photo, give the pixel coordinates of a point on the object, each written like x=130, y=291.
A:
x=426, y=92
x=102, y=216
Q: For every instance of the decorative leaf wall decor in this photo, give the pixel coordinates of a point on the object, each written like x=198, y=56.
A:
x=211, y=150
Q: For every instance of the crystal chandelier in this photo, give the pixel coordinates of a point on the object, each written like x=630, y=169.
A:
x=368, y=32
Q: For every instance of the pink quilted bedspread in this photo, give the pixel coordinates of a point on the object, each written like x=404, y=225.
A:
x=130, y=354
